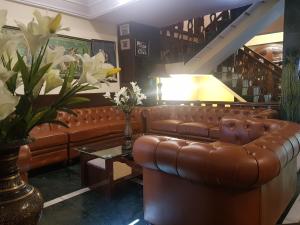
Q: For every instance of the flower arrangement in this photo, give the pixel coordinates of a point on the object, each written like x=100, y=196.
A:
x=37, y=72
x=127, y=97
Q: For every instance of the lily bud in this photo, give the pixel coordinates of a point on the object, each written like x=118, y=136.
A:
x=54, y=25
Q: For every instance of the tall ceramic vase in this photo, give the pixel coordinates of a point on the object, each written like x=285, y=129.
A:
x=20, y=203
x=127, y=144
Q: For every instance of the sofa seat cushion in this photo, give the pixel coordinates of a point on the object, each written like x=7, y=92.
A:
x=44, y=139
x=214, y=132
x=89, y=132
x=165, y=125
x=194, y=128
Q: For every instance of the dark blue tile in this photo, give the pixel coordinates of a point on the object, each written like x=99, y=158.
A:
x=91, y=208
x=56, y=183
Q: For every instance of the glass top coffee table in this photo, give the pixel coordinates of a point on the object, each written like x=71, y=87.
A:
x=106, y=153
x=103, y=160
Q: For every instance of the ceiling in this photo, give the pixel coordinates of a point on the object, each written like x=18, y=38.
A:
x=165, y=12
x=151, y=12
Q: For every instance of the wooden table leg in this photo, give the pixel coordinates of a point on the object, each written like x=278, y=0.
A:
x=110, y=177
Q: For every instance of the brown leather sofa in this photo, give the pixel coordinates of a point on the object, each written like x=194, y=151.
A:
x=248, y=177
x=102, y=125
x=196, y=122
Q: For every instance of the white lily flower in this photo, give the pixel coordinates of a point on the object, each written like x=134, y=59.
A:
x=117, y=100
x=8, y=102
x=57, y=56
x=107, y=95
x=34, y=39
x=93, y=69
x=53, y=80
x=38, y=33
x=48, y=24
x=11, y=48
x=5, y=74
x=4, y=42
x=100, y=57
x=122, y=91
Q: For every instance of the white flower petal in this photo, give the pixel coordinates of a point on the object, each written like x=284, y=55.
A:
x=53, y=80
x=8, y=102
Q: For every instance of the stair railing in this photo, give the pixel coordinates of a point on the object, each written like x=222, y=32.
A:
x=181, y=43
x=251, y=76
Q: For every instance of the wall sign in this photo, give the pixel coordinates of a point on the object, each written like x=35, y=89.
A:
x=124, y=29
x=141, y=48
x=125, y=44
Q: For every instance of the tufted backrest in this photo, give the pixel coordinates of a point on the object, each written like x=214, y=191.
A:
x=40, y=128
x=225, y=165
x=251, y=152
x=95, y=115
x=207, y=114
x=238, y=130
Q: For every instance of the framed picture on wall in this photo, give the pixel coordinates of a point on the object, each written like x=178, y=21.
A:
x=72, y=46
x=141, y=48
x=124, y=29
x=125, y=44
x=109, y=50
x=108, y=47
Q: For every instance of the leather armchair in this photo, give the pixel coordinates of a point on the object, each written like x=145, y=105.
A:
x=248, y=177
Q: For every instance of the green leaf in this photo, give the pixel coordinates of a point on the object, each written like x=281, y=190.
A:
x=16, y=67
x=24, y=71
x=12, y=83
x=67, y=110
x=58, y=122
x=37, y=63
x=76, y=100
x=36, y=78
x=47, y=114
x=87, y=88
x=23, y=106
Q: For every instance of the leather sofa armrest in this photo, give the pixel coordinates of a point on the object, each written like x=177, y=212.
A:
x=146, y=114
x=226, y=166
x=24, y=161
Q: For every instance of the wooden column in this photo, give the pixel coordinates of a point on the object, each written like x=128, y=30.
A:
x=137, y=67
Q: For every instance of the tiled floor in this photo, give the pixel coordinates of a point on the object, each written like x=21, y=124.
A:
x=90, y=207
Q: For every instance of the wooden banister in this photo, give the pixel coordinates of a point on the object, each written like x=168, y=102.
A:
x=265, y=60
x=185, y=44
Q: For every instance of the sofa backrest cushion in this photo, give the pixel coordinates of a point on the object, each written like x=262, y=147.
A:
x=96, y=115
x=206, y=114
x=238, y=130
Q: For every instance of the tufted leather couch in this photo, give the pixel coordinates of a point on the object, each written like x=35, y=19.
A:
x=248, y=177
x=195, y=122
x=103, y=125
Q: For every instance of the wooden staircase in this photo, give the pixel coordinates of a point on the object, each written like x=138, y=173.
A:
x=200, y=45
x=250, y=75
x=181, y=41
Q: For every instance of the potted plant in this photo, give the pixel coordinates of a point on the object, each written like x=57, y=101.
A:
x=290, y=88
x=126, y=99
x=22, y=79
